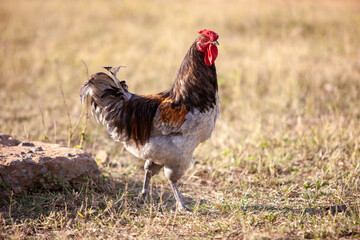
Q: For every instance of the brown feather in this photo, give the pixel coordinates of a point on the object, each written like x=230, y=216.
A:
x=131, y=118
x=195, y=85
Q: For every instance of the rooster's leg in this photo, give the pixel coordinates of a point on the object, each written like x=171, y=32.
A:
x=179, y=202
x=150, y=170
x=145, y=189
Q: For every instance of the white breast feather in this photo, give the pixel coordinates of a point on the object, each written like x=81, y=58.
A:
x=177, y=149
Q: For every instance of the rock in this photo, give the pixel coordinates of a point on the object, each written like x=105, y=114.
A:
x=35, y=149
x=7, y=140
x=27, y=144
x=21, y=170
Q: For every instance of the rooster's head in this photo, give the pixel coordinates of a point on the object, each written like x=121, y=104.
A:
x=207, y=43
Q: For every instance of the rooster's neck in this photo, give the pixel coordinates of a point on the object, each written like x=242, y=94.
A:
x=195, y=85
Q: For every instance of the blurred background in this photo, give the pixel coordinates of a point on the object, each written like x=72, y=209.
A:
x=286, y=69
x=285, y=149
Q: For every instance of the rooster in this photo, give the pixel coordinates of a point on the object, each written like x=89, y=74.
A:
x=165, y=128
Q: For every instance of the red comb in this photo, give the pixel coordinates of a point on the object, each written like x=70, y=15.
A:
x=210, y=34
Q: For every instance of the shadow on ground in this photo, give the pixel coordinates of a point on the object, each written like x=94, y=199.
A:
x=113, y=197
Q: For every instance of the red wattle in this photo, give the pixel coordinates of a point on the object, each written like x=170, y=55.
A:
x=211, y=54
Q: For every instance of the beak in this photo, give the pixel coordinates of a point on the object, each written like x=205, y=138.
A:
x=215, y=43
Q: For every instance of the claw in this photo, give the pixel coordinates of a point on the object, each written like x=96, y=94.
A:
x=184, y=209
x=142, y=197
x=179, y=202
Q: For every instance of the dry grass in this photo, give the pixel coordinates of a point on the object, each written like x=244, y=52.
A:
x=286, y=150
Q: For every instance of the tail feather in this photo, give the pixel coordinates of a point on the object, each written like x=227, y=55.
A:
x=127, y=116
x=113, y=72
x=104, y=91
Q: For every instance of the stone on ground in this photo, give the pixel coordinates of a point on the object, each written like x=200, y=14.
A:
x=28, y=164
